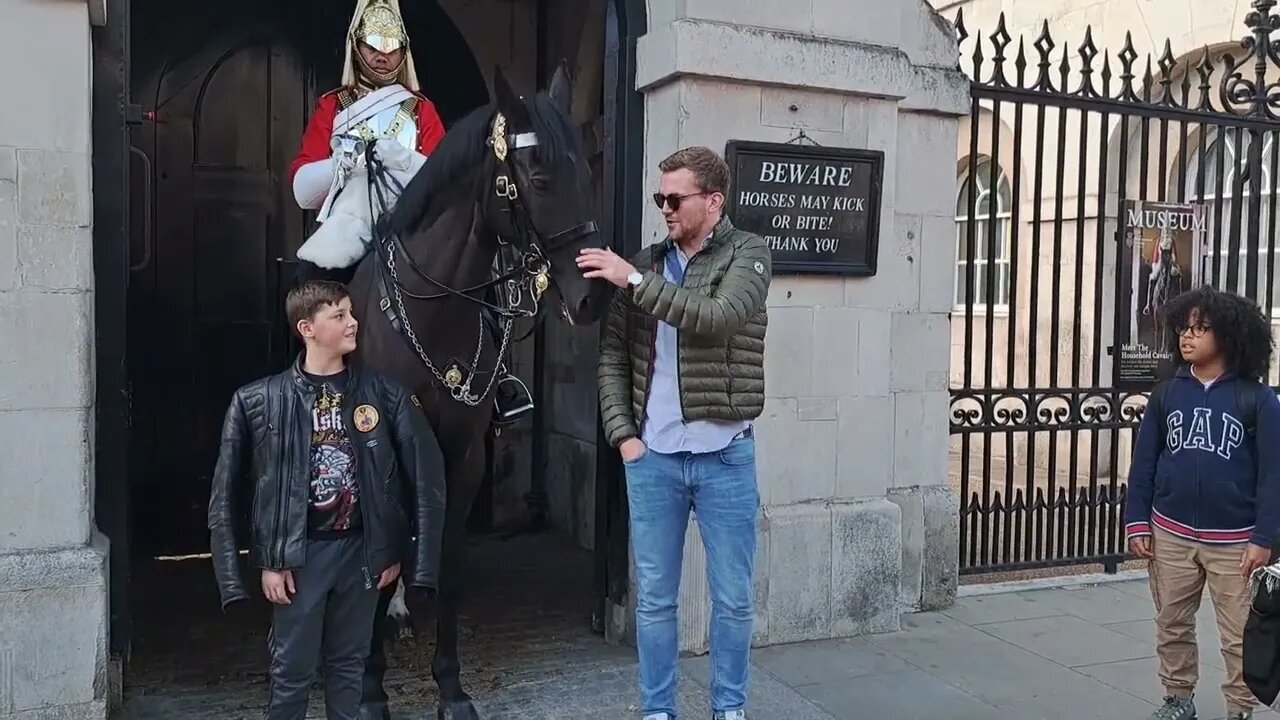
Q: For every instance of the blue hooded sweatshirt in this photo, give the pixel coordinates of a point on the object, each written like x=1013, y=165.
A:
x=1210, y=482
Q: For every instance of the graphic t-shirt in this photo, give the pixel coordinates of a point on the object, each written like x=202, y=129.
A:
x=335, y=495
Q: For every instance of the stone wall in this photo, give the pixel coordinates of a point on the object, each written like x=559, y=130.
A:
x=52, y=567
x=858, y=524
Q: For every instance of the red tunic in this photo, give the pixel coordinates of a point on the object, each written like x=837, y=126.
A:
x=315, y=141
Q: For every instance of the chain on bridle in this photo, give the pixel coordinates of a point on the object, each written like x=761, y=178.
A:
x=526, y=271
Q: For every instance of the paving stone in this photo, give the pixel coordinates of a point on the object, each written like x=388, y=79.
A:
x=1141, y=678
x=1141, y=588
x=767, y=695
x=1098, y=703
x=932, y=636
x=984, y=609
x=1070, y=641
x=904, y=695
x=1097, y=603
x=1207, y=636
x=983, y=666
x=824, y=661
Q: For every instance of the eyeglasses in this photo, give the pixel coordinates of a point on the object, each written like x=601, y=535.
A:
x=672, y=199
x=1197, y=330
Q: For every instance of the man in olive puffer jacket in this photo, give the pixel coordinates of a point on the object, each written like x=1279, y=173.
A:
x=681, y=380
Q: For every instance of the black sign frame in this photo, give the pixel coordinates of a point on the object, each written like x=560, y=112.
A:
x=864, y=267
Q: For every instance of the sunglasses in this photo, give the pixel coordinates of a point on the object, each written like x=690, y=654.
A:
x=672, y=199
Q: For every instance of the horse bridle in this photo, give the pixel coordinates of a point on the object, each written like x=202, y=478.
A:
x=533, y=264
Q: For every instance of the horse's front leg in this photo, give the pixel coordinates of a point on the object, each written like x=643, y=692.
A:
x=446, y=667
x=398, y=615
x=373, y=699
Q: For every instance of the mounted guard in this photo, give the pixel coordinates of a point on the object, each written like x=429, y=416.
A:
x=379, y=112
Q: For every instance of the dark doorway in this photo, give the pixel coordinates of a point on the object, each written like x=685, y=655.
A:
x=216, y=96
x=226, y=89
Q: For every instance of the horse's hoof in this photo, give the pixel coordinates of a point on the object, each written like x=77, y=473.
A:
x=399, y=626
x=375, y=711
x=399, y=621
x=457, y=710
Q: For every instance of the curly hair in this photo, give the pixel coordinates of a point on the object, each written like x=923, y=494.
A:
x=1243, y=333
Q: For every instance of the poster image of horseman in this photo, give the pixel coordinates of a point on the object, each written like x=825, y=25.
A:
x=1161, y=255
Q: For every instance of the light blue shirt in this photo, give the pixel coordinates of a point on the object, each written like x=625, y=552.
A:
x=665, y=430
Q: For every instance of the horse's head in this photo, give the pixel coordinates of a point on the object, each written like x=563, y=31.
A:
x=542, y=199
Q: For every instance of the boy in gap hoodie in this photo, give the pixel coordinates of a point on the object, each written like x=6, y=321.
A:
x=1204, y=492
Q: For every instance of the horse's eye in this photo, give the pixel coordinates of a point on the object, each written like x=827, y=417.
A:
x=539, y=182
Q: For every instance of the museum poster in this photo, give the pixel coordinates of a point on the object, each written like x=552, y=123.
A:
x=1161, y=255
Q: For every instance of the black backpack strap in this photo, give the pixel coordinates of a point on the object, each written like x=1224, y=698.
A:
x=1247, y=390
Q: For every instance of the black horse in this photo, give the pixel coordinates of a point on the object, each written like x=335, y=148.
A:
x=509, y=175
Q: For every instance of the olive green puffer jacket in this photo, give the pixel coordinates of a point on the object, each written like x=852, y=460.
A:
x=720, y=313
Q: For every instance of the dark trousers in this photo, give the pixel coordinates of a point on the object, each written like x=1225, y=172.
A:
x=330, y=620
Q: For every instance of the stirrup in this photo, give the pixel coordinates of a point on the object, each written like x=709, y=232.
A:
x=524, y=401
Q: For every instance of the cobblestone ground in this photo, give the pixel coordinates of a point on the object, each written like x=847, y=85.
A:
x=527, y=645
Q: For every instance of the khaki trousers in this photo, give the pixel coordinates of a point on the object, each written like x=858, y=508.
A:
x=1178, y=573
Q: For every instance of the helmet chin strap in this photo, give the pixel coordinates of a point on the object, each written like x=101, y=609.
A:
x=374, y=78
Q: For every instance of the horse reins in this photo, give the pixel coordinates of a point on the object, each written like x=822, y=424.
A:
x=533, y=265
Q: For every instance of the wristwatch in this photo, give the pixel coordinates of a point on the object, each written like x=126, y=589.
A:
x=634, y=279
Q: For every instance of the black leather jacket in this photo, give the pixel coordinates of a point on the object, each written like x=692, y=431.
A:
x=265, y=464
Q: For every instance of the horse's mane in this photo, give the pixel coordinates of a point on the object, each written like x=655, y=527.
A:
x=463, y=152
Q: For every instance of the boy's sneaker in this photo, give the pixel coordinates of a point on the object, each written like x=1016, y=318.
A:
x=1175, y=709
x=1241, y=715
x=657, y=716
x=731, y=715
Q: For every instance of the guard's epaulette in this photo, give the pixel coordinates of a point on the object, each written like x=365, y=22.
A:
x=347, y=97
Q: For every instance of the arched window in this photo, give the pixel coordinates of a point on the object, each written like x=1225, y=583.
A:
x=1228, y=149
x=993, y=202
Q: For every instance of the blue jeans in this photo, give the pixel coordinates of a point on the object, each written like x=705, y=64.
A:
x=721, y=488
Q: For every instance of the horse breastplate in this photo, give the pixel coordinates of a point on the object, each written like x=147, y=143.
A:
x=399, y=122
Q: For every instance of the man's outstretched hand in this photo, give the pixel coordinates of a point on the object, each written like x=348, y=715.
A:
x=604, y=263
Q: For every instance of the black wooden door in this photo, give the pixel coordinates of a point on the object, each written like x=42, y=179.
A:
x=204, y=311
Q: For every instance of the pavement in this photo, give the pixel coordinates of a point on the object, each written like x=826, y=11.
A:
x=1078, y=651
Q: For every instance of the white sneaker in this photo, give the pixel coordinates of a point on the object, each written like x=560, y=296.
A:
x=732, y=715
x=657, y=716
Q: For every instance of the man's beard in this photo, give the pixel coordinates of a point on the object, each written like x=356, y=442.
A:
x=374, y=78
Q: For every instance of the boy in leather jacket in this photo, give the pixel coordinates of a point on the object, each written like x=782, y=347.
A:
x=346, y=485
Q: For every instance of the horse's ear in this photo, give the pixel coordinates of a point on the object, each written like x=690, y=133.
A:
x=508, y=102
x=561, y=90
